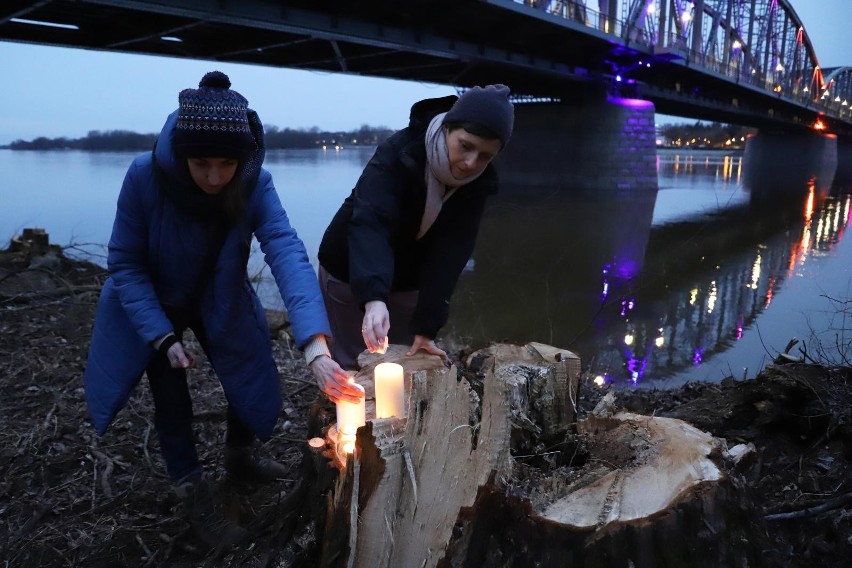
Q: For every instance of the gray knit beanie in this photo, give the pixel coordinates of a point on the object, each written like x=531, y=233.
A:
x=487, y=106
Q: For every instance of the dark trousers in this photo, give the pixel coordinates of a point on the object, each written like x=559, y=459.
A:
x=173, y=408
x=345, y=317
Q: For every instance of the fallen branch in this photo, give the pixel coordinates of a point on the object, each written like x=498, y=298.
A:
x=58, y=292
x=108, y=468
x=812, y=511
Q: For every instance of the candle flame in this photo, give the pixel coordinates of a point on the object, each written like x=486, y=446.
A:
x=347, y=442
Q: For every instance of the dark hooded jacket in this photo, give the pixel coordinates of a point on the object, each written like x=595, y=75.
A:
x=372, y=244
x=159, y=254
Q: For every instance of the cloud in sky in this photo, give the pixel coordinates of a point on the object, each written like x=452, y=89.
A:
x=52, y=91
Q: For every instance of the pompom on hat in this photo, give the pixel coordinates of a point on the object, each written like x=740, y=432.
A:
x=213, y=121
x=487, y=106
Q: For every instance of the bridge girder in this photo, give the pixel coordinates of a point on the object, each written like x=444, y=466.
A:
x=743, y=61
x=759, y=45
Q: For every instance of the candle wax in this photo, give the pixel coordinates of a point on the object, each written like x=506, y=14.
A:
x=390, y=390
x=351, y=415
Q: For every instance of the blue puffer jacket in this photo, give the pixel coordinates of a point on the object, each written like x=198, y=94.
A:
x=156, y=256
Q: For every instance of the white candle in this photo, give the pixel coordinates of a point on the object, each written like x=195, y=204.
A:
x=390, y=390
x=351, y=415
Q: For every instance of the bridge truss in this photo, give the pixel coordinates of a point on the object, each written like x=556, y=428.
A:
x=762, y=43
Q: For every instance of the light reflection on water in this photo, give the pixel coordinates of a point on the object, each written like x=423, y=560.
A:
x=687, y=283
x=710, y=287
x=737, y=309
x=708, y=181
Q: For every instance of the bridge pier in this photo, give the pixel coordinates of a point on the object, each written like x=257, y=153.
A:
x=843, y=177
x=593, y=144
x=777, y=164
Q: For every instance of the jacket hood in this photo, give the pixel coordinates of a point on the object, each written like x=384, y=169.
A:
x=424, y=111
x=174, y=168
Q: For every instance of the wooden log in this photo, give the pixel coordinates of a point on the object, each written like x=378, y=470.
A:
x=491, y=468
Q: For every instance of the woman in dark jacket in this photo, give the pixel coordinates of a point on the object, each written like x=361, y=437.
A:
x=391, y=256
x=178, y=258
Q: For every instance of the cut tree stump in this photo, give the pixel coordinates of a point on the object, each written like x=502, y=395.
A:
x=491, y=467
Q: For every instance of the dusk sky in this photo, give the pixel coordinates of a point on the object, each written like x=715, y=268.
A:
x=53, y=92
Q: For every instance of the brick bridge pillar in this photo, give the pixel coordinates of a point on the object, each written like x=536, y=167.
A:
x=843, y=177
x=779, y=164
x=596, y=144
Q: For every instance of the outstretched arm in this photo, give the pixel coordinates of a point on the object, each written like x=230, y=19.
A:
x=331, y=378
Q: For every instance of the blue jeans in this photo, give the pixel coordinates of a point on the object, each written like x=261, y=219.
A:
x=173, y=408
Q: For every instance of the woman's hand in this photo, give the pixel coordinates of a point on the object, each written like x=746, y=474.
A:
x=375, y=327
x=334, y=381
x=178, y=358
x=427, y=345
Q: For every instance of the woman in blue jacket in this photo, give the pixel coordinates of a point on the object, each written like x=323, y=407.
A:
x=178, y=259
x=391, y=256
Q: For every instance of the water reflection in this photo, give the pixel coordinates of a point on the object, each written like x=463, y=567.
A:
x=727, y=167
x=641, y=297
x=706, y=300
x=695, y=184
x=546, y=265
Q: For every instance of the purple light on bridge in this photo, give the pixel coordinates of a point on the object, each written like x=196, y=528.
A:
x=632, y=103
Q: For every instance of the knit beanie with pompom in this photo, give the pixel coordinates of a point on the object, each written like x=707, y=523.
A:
x=213, y=121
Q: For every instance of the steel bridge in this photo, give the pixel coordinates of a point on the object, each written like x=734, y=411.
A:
x=749, y=62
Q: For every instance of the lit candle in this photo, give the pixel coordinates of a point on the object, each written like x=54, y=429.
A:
x=390, y=390
x=351, y=415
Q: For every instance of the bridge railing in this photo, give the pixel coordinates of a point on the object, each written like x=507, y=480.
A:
x=578, y=12
x=736, y=70
x=795, y=88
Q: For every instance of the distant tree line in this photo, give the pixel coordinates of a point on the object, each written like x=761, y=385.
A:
x=314, y=137
x=113, y=140
x=124, y=140
x=701, y=135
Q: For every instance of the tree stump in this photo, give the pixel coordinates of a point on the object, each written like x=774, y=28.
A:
x=491, y=467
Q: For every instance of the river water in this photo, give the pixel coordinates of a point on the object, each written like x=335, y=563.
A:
x=692, y=282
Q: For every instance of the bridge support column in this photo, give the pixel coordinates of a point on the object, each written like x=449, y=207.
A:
x=592, y=145
x=777, y=164
x=843, y=177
